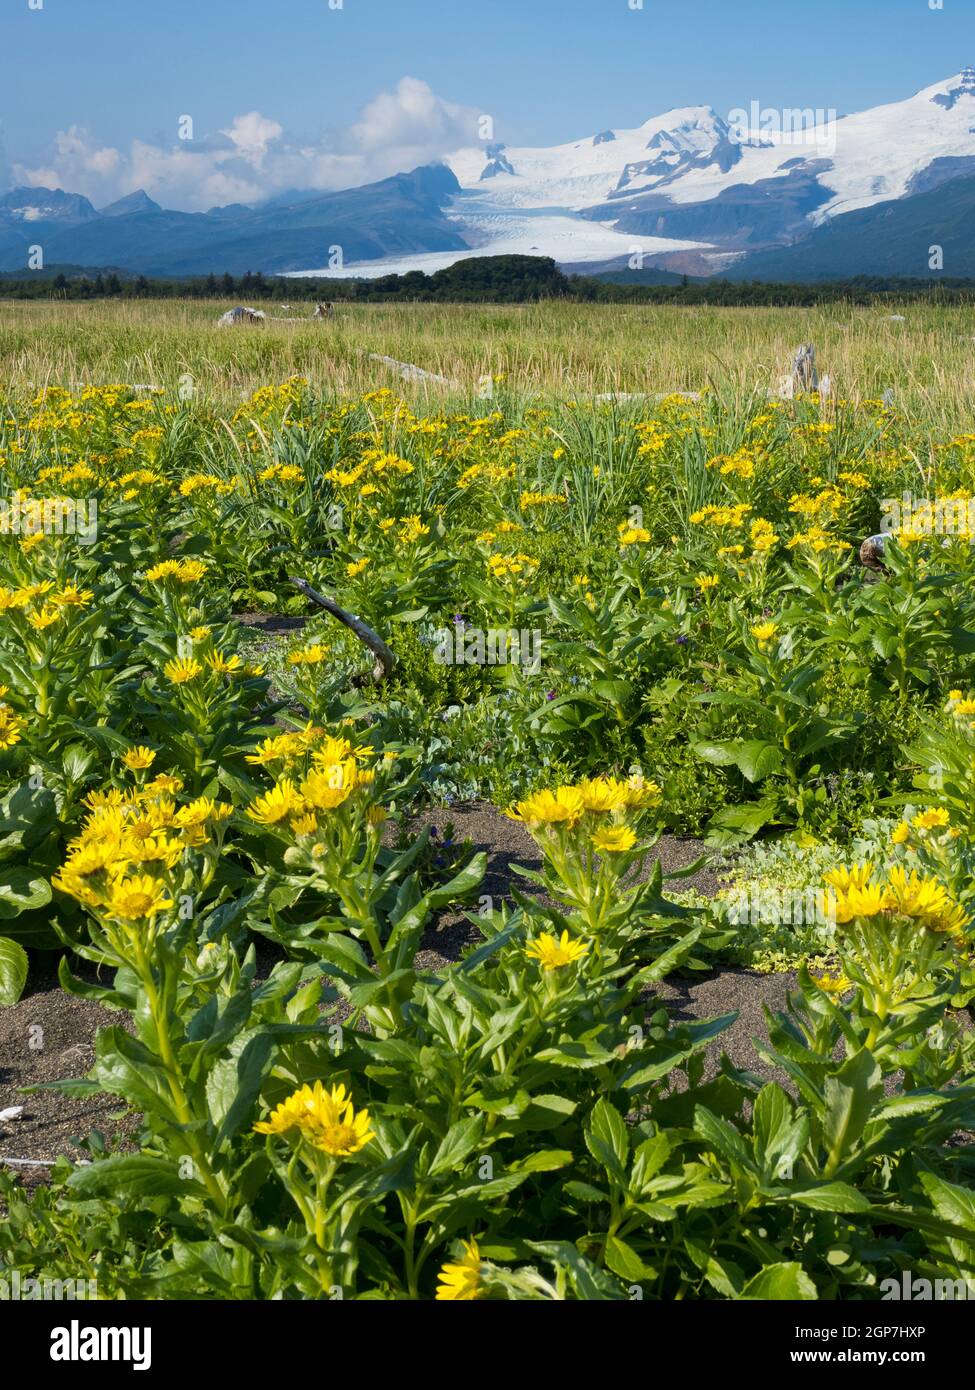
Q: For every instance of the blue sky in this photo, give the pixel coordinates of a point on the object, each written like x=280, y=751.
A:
x=546, y=70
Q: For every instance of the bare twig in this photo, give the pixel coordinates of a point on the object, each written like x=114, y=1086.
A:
x=384, y=656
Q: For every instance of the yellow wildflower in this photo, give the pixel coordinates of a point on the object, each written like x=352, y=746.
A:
x=461, y=1280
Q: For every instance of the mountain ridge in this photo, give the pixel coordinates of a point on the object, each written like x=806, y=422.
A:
x=689, y=190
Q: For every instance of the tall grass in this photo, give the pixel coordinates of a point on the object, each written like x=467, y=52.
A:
x=550, y=349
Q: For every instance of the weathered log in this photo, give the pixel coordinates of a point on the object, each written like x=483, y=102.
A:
x=241, y=315
x=409, y=372
x=385, y=659
x=804, y=374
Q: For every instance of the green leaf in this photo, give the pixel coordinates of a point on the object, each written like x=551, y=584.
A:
x=850, y=1098
x=126, y=1067
x=588, y=1282
x=583, y=1054
x=624, y=1261
x=720, y=754
x=952, y=1203
x=772, y=1112
x=457, y=1144
x=133, y=1175
x=234, y=1084
x=649, y=1158
x=607, y=1139
x=13, y=971
x=84, y=989
x=757, y=760
x=734, y=824
x=830, y=1196
x=786, y=1282
x=615, y=692
x=723, y=1138
x=542, y=1112
x=724, y=1277
x=22, y=889
x=544, y=1161
x=344, y=956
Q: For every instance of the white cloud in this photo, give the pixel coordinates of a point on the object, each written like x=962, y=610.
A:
x=254, y=157
x=252, y=134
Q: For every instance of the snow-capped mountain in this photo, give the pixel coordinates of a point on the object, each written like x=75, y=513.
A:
x=694, y=190
x=589, y=171
x=692, y=174
x=48, y=205
x=690, y=190
x=696, y=154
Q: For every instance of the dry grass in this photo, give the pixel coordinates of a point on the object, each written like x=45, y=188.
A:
x=569, y=350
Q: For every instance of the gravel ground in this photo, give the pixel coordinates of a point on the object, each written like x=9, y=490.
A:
x=506, y=842
x=49, y=1035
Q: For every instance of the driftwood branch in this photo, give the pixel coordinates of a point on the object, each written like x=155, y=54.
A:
x=409, y=372
x=384, y=656
x=233, y=318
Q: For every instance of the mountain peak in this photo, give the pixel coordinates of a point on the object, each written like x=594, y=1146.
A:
x=139, y=201
x=39, y=204
x=950, y=92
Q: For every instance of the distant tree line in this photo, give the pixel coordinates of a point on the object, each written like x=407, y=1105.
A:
x=479, y=280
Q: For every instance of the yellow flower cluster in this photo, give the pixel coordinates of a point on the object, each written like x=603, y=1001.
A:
x=507, y=566
x=325, y=1119
x=380, y=462
x=281, y=473
x=43, y=604
x=12, y=725
x=182, y=670
x=632, y=535
x=721, y=516
x=334, y=776
x=653, y=437
x=205, y=482
x=272, y=400
x=541, y=499
x=764, y=632
x=289, y=748
x=312, y=655
x=594, y=796
x=411, y=528
x=859, y=892
x=741, y=464
x=961, y=707
x=179, y=571
x=460, y=1280
x=131, y=841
